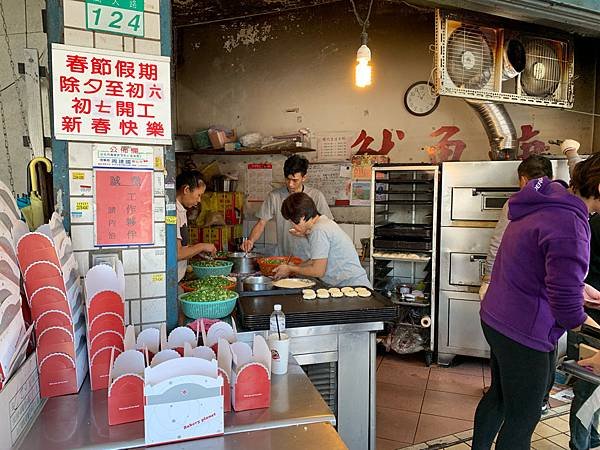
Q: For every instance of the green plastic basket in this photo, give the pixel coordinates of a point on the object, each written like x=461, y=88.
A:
x=205, y=271
x=208, y=310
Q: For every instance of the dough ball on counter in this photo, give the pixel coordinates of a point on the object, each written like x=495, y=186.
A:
x=351, y=293
x=309, y=295
x=337, y=294
x=324, y=294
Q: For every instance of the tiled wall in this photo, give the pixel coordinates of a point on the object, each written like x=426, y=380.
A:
x=76, y=34
x=145, y=285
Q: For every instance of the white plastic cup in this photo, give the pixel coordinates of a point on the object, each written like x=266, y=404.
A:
x=280, y=350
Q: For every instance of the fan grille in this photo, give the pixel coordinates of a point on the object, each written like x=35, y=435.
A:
x=543, y=67
x=470, y=59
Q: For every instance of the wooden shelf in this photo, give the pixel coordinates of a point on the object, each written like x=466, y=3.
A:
x=250, y=152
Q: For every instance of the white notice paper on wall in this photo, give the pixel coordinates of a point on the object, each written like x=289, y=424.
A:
x=81, y=182
x=334, y=146
x=327, y=178
x=258, y=181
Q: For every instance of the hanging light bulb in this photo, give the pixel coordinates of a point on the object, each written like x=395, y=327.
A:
x=362, y=74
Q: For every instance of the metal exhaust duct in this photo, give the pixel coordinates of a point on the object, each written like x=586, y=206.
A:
x=499, y=128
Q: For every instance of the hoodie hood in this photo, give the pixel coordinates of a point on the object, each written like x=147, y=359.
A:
x=543, y=193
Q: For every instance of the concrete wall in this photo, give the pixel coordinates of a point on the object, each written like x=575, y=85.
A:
x=24, y=26
x=246, y=73
x=145, y=277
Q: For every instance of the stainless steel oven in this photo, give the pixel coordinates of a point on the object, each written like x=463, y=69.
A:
x=473, y=194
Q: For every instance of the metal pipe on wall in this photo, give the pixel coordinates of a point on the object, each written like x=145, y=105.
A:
x=499, y=128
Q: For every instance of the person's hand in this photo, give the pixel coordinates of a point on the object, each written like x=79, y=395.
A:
x=592, y=362
x=569, y=147
x=207, y=248
x=247, y=245
x=282, y=271
x=293, y=232
x=591, y=297
x=483, y=289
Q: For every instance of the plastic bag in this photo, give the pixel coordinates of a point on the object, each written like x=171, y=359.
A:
x=403, y=340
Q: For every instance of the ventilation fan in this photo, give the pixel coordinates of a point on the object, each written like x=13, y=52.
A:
x=470, y=59
x=543, y=67
x=483, y=59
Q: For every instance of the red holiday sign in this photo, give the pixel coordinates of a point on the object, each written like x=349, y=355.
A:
x=108, y=96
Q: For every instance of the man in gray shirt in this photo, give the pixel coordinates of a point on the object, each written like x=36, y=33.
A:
x=333, y=257
x=294, y=170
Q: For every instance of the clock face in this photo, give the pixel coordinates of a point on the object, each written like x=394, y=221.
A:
x=420, y=98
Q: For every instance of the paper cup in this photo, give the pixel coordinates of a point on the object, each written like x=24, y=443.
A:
x=280, y=350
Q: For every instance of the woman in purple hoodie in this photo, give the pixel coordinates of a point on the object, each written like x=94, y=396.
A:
x=535, y=295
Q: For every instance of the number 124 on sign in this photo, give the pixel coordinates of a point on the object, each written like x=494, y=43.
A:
x=116, y=16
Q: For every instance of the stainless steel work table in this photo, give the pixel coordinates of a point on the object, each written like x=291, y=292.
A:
x=81, y=421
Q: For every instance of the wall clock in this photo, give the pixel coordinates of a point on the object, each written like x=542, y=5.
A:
x=420, y=98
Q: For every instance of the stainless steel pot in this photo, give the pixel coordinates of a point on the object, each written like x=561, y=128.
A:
x=243, y=262
x=259, y=283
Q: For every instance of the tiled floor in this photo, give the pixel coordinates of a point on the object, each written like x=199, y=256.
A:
x=418, y=405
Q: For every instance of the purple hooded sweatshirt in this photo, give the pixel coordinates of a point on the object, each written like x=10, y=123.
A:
x=536, y=291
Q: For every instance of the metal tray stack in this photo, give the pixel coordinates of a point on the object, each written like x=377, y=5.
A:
x=254, y=312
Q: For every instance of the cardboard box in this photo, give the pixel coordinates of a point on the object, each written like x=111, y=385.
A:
x=183, y=400
x=20, y=402
x=249, y=372
x=126, y=387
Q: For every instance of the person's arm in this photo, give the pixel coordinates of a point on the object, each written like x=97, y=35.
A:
x=256, y=232
x=189, y=251
x=566, y=266
x=569, y=148
x=312, y=268
x=495, y=241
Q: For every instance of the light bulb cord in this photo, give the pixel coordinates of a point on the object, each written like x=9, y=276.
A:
x=363, y=23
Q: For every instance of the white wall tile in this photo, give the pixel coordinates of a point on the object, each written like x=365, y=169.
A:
x=127, y=315
x=128, y=44
x=151, y=26
x=153, y=259
x=135, y=317
x=83, y=262
x=132, y=286
x=82, y=237
x=159, y=184
x=159, y=209
x=361, y=231
x=74, y=14
x=131, y=261
x=82, y=210
x=152, y=5
x=348, y=228
x=159, y=158
x=154, y=310
x=79, y=37
x=108, y=41
x=80, y=155
x=159, y=235
x=147, y=47
x=81, y=182
x=153, y=285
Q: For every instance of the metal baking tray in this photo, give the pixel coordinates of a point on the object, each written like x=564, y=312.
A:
x=389, y=244
x=404, y=230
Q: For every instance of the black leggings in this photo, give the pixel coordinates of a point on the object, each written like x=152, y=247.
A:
x=511, y=408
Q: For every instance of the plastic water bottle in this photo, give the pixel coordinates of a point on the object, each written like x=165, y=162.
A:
x=277, y=318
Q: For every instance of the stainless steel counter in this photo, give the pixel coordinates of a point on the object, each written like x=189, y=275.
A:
x=81, y=421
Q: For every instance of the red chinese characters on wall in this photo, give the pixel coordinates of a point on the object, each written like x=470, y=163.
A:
x=124, y=207
x=106, y=95
x=529, y=147
x=387, y=143
x=445, y=149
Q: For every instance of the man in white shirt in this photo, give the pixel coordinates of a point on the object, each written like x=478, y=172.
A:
x=294, y=170
x=190, y=188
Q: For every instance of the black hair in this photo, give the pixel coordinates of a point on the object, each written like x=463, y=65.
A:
x=535, y=166
x=297, y=206
x=295, y=164
x=190, y=178
x=585, y=178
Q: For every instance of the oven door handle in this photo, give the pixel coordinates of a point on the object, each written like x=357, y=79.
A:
x=481, y=260
x=483, y=190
